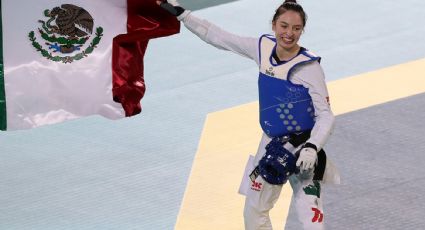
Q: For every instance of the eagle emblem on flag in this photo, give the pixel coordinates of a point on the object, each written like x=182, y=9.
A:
x=66, y=33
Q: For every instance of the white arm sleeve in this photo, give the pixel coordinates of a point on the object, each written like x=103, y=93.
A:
x=210, y=33
x=312, y=77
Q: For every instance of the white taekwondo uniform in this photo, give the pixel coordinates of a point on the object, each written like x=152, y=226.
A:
x=304, y=70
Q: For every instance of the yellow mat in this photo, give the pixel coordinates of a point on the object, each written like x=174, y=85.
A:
x=211, y=201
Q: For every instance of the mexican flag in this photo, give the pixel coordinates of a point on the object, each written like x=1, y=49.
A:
x=66, y=59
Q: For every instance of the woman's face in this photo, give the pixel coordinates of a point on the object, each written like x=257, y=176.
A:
x=288, y=28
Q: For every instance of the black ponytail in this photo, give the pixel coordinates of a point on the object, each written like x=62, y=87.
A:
x=290, y=5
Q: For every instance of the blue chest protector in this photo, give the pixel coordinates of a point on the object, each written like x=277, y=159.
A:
x=285, y=107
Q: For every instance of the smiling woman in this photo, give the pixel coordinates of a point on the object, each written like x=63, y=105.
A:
x=288, y=24
x=295, y=115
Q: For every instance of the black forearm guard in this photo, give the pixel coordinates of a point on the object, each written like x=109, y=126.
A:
x=174, y=10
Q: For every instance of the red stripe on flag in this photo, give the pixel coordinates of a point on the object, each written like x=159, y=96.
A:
x=145, y=21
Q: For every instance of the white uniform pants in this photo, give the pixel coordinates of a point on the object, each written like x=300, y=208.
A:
x=261, y=197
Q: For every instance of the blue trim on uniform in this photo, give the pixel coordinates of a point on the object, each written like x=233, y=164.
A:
x=280, y=62
x=302, y=49
x=306, y=53
x=312, y=58
x=259, y=45
x=259, y=49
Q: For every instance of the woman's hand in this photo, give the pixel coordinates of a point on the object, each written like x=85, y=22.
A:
x=307, y=158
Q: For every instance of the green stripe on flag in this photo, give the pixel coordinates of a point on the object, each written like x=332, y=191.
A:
x=3, y=123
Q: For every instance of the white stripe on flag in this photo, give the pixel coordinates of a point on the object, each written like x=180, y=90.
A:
x=40, y=91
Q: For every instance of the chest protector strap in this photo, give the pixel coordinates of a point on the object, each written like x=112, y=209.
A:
x=285, y=107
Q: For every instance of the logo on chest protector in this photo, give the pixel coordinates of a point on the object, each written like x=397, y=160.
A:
x=270, y=71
